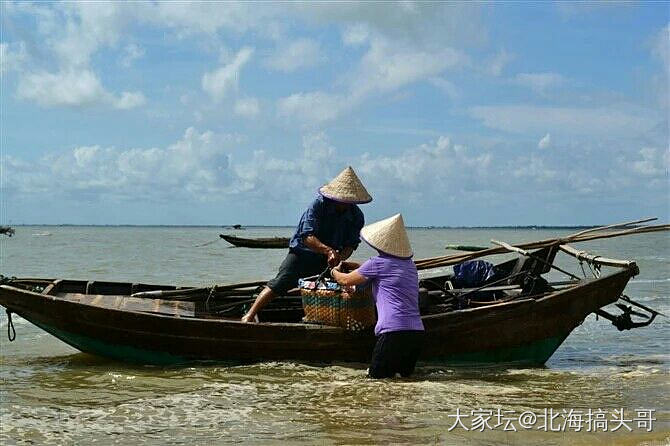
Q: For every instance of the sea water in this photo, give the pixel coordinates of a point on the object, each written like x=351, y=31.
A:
x=52, y=394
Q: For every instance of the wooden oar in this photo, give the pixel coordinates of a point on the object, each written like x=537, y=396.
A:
x=465, y=248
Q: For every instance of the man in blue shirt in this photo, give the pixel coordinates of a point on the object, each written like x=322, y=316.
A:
x=327, y=233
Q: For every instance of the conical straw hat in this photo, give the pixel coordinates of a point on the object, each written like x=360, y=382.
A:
x=389, y=237
x=346, y=188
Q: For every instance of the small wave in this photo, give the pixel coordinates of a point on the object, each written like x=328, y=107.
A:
x=41, y=234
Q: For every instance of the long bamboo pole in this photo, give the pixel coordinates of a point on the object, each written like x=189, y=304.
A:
x=436, y=262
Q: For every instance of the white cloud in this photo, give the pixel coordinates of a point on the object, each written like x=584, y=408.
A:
x=539, y=82
x=610, y=121
x=302, y=53
x=224, y=79
x=385, y=67
x=196, y=167
x=70, y=34
x=661, y=46
x=545, y=142
x=247, y=107
x=129, y=100
x=355, y=35
x=131, y=53
x=316, y=107
x=422, y=24
x=652, y=162
x=12, y=56
x=207, y=17
x=447, y=87
x=72, y=88
x=534, y=168
x=496, y=64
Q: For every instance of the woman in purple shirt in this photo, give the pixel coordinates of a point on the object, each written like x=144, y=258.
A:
x=395, y=287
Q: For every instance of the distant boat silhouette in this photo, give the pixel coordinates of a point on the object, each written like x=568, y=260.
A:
x=266, y=242
x=7, y=230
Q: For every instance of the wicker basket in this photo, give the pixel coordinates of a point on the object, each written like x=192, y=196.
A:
x=330, y=304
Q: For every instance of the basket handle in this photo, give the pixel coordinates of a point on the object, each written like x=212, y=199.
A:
x=322, y=277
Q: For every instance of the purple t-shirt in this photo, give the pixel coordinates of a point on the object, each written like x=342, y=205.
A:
x=395, y=287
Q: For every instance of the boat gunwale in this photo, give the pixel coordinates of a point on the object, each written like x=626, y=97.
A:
x=478, y=310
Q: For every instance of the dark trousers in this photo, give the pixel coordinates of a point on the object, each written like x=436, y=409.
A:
x=396, y=352
x=296, y=265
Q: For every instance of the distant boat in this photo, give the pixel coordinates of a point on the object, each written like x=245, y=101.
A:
x=7, y=230
x=237, y=227
x=263, y=242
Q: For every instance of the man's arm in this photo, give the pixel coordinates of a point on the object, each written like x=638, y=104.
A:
x=346, y=252
x=316, y=245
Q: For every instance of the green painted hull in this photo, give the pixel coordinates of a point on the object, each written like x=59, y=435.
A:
x=535, y=353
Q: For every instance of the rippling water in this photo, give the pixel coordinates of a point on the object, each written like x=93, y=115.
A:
x=55, y=395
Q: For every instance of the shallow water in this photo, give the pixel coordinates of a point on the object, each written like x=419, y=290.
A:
x=52, y=394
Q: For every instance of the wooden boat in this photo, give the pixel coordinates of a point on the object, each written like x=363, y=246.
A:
x=8, y=230
x=263, y=242
x=154, y=324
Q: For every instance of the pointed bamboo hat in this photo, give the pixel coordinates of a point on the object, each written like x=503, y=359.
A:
x=389, y=237
x=346, y=188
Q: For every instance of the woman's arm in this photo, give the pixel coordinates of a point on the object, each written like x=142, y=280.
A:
x=348, y=279
x=348, y=266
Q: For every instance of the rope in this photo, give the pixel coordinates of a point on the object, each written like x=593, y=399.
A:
x=11, y=331
x=581, y=265
x=209, y=296
x=206, y=244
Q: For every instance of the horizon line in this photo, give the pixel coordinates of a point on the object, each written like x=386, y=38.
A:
x=231, y=227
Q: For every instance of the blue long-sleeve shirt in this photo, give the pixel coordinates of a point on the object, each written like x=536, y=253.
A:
x=335, y=229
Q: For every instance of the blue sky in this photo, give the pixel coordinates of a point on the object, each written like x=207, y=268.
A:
x=222, y=113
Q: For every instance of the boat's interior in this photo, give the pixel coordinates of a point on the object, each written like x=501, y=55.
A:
x=510, y=280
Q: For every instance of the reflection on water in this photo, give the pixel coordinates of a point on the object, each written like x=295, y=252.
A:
x=51, y=394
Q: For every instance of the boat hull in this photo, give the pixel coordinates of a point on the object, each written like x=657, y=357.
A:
x=261, y=243
x=526, y=331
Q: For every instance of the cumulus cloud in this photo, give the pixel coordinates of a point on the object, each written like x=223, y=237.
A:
x=421, y=24
x=70, y=34
x=661, y=46
x=205, y=167
x=496, y=64
x=446, y=86
x=355, y=35
x=545, y=142
x=196, y=167
x=316, y=107
x=247, y=107
x=72, y=88
x=385, y=67
x=301, y=53
x=539, y=82
x=651, y=162
x=12, y=56
x=599, y=121
x=131, y=53
x=226, y=78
